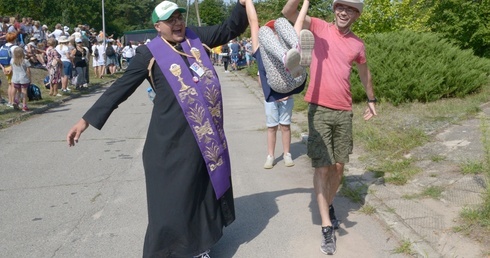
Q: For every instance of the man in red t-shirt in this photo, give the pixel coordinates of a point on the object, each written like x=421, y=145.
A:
x=330, y=110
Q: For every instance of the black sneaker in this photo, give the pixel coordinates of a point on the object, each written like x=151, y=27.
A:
x=328, y=243
x=333, y=218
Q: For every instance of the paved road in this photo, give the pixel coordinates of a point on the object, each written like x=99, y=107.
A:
x=89, y=201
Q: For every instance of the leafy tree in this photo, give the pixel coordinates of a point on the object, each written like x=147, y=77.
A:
x=377, y=16
x=465, y=22
x=212, y=12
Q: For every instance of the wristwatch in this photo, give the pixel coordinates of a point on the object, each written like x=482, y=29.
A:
x=372, y=100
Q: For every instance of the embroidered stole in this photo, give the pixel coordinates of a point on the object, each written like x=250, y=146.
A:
x=201, y=101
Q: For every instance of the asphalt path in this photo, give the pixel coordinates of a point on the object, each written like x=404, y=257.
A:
x=90, y=201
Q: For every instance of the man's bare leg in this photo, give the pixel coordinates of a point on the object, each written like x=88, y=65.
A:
x=326, y=182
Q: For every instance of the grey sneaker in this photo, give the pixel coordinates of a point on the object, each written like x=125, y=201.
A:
x=306, y=43
x=269, y=162
x=328, y=243
x=288, y=160
x=333, y=218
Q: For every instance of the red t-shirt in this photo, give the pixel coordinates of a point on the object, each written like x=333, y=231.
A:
x=333, y=56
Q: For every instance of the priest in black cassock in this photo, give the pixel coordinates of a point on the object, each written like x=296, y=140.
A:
x=185, y=157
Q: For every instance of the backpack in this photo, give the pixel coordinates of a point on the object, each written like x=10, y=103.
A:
x=110, y=51
x=33, y=92
x=5, y=55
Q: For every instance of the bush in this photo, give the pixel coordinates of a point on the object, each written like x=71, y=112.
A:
x=408, y=66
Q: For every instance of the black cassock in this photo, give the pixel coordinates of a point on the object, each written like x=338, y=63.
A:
x=184, y=217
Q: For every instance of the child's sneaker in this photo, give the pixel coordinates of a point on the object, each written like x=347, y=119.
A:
x=288, y=160
x=291, y=62
x=269, y=162
x=306, y=43
x=25, y=108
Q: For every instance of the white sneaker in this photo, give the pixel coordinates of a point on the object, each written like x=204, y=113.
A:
x=306, y=44
x=288, y=161
x=292, y=59
x=269, y=162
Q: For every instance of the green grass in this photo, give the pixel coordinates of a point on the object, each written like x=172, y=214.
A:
x=399, y=172
x=433, y=192
x=472, y=167
x=368, y=209
x=437, y=158
x=404, y=248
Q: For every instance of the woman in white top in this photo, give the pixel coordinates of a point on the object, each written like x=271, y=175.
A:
x=128, y=52
x=98, y=51
x=66, y=58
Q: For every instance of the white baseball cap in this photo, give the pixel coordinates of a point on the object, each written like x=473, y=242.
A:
x=163, y=11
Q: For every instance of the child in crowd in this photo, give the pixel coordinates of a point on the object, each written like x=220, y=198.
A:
x=21, y=76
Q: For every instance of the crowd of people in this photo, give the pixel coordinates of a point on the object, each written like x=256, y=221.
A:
x=235, y=53
x=65, y=54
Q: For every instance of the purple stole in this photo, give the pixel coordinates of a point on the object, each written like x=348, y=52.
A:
x=199, y=96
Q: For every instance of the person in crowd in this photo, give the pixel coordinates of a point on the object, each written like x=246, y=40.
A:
x=234, y=55
x=38, y=32
x=79, y=59
x=13, y=25
x=278, y=37
x=188, y=96
x=57, y=33
x=87, y=65
x=217, y=55
x=11, y=38
x=111, y=57
x=54, y=66
x=45, y=33
x=86, y=39
x=128, y=52
x=41, y=54
x=65, y=50
x=98, y=52
x=21, y=77
x=4, y=31
x=32, y=53
x=77, y=34
x=118, y=47
x=66, y=31
x=248, y=53
x=225, y=53
x=330, y=102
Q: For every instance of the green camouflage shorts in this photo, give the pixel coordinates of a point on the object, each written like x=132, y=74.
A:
x=330, y=135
